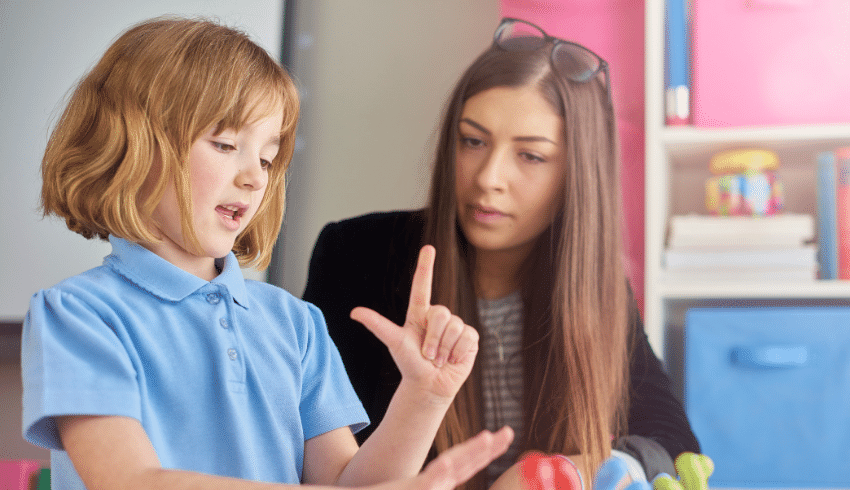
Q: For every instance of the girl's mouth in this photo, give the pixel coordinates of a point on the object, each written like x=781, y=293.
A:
x=232, y=212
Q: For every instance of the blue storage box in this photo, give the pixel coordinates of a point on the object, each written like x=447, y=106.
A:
x=767, y=391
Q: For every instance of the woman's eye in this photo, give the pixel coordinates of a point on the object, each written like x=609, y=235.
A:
x=265, y=164
x=530, y=157
x=471, y=142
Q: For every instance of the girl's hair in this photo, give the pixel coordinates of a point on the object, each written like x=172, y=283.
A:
x=131, y=121
x=575, y=295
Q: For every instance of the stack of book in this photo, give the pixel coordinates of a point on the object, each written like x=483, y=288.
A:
x=742, y=248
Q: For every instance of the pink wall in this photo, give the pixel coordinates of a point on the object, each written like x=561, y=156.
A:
x=614, y=30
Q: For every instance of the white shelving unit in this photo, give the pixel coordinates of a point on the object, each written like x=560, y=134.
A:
x=676, y=165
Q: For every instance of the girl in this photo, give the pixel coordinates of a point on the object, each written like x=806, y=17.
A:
x=164, y=367
x=524, y=208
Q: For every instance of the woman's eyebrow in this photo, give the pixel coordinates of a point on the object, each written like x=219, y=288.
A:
x=475, y=125
x=517, y=138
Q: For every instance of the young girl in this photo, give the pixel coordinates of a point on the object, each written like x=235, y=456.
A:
x=524, y=209
x=164, y=368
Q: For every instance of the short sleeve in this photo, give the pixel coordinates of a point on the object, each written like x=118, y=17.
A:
x=328, y=400
x=72, y=363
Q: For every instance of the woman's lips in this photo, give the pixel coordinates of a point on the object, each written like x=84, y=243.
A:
x=486, y=214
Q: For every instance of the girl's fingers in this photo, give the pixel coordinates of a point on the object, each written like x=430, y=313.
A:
x=462, y=461
x=420, y=291
x=451, y=334
x=467, y=345
x=387, y=332
x=435, y=321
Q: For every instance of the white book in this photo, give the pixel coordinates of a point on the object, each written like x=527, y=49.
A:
x=805, y=256
x=743, y=274
x=784, y=230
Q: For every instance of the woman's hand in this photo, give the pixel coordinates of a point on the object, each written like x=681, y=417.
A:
x=434, y=350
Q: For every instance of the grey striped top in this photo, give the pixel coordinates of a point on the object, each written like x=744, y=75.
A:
x=501, y=363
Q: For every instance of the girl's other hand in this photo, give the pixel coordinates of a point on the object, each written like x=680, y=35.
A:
x=434, y=349
x=461, y=462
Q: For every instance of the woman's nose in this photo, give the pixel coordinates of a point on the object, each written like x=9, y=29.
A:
x=492, y=174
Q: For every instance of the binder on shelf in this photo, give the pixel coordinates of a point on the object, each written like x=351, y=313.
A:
x=769, y=62
x=677, y=60
x=842, y=210
x=827, y=235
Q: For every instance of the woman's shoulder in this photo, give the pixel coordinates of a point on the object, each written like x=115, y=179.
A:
x=383, y=223
x=395, y=235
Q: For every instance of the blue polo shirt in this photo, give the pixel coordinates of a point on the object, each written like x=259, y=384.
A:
x=228, y=377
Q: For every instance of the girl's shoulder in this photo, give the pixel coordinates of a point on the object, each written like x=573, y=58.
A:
x=96, y=281
x=278, y=302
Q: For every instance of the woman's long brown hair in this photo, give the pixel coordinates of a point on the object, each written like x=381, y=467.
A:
x=574, y=290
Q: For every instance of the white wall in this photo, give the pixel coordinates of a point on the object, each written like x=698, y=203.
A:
x=376, y=75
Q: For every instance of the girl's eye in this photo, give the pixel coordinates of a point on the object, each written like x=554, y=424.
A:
x=265, y=164
x=224, y=147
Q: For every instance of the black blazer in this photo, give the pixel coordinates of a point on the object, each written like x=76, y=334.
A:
x=369, y=261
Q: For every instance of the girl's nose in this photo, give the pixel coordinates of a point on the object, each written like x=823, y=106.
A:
x=252, y=175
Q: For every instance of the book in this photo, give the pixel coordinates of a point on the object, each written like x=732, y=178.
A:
x=827, y=236
x=803, y=256
x=737, y=232
x=842, y=210
x=677, y=61
x=743, y=274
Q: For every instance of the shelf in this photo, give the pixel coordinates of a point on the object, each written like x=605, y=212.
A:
x=678, y=289
x=685, y=143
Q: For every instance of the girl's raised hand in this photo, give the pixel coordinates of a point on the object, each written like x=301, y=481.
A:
x=434, y=348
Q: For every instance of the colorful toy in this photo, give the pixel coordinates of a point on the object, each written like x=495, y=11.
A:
x=541, y=472
x=745, y=182
x=612, y=471
x=693, y=469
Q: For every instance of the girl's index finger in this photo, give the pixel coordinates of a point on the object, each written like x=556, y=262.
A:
x=423, y=278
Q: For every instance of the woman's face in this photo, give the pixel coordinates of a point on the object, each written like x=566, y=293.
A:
x=510, y=168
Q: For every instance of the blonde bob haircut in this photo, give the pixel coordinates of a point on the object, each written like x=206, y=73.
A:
x=126, y=131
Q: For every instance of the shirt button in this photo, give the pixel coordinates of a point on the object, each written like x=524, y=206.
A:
x=232, y=354
x=224, y=324
x=213, y=298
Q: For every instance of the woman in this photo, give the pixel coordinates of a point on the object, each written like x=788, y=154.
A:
x=525, y=215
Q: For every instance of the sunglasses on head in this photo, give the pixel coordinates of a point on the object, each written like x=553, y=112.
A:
x=571, y=60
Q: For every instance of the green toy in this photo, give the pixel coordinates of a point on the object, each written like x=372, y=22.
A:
x=693, y=469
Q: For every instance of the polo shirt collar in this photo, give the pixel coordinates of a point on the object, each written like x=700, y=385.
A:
x=161, y=278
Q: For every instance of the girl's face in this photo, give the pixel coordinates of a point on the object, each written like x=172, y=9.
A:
x=510, y=169
x=228, y=174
